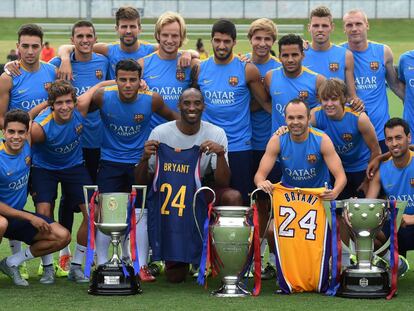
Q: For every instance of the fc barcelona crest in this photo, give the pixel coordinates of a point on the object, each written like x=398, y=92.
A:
x=312, y=158
x=303, y=95
x=412, y=182
x=333, y=67
x=28, y=160
x=79, y=129
x=347, y=136
x=180, y=74
x=99, y=74
x=138, y=117
x=374, y=66
x=47, y=85
x=233, y=81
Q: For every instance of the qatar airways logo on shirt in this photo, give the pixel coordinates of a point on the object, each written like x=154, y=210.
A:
x=301, y=174
x=20, y=183
x=29, y=104
x=220, y=97
x=168, y=92
x=366, y=83
x=125, y=130
x=81, y=90
x=343, y=149
x=411, y=82
x=68, y=147
x=404, y=197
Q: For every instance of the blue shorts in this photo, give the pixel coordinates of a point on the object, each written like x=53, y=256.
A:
x=115, y=176
x=45, y=182
x=23, y=230
x=240, y=163
x=353, y=181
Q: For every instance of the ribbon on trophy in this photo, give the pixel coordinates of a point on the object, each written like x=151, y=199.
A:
x=393, y=248
x=336, y=248
x=131, y=230
x=209, y=256
x=90, y=250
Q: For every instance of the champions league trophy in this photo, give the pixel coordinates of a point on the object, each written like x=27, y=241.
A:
x=232, y=235
x=111, y=218
x=364, y=218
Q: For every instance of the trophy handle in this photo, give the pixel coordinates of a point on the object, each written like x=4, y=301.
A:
x=252, y=201
x=194, y=206
x=144, y=197
x=86, y=188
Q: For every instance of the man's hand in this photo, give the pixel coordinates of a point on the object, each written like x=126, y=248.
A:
x=266, y=186
x=357, y=104
x=211, y=147
x=184, y=60
x=143, y=85
x=150, y=148
x=244, y=58
x=40, y=224
x=407, y=220
x=281, y=130
x=12, y=68
x=65, y=70
x=328, y=195
x=372, y=168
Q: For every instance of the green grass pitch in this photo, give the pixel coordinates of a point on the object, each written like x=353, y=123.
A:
x=161, y=295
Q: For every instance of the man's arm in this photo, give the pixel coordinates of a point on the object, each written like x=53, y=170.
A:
x=349, y=74
x=374, y=187
x=37, y=134
x=141, y=172
x=391, y=76
x=334, y=164
x=159, y=107
x=92, y=99
x=319, y=80
x=368, y=133
x=256, y=87
x=267, y=163
x=6, y=85
x=37, y=222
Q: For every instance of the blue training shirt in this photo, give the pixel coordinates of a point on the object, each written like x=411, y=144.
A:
x=406, y=75
x=14, y=176
x=126, y=126
x=398, y=183
x=86, y=75
x=30, y=88
x=165, y=78
x=227, y=100
x=61, y=148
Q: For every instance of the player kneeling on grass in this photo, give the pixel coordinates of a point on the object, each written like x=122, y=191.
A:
x=42, y=234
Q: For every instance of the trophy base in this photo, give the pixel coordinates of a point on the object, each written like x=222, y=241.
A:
x=109, y=279
x=364, y=284
x=231, y=287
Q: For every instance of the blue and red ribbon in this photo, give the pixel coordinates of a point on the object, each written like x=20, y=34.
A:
x=205, y=255
x=393, y=248
x=90, y=250
x=257, y=257
x=336, y=252
x=131, y=230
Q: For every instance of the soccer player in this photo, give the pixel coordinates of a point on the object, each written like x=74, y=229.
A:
x=324, y=57
x=161, y=69
x=292, y=80
x=57, y=158
x=373, y=67
x=126, y=113
x=187, y=133
x=30, y=88
x=306, y=155
x=226, y=82
x=352, y=134
x=262, y=34
x=42, y=234
x=406, y=76
x=89, y=68
x=395, y=178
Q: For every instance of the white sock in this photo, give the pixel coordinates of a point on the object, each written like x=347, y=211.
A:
x=142, y=237
x=263, y=247
x=387, y=256
x=47, y=260
x=19, y=257
x=65, y=251
x=15, y=246
x=346, y=261
x=125, y=247
x=80, y=251
x=102, y=244
x=272, y=258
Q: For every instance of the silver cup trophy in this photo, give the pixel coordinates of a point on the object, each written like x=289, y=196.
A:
x=232, y=236
x=111, y=214
x=364, y=219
